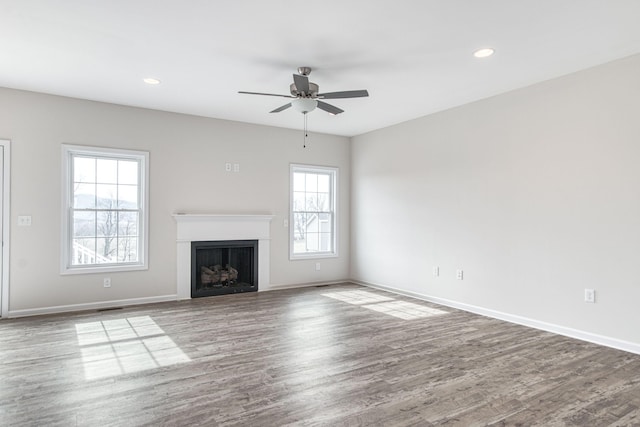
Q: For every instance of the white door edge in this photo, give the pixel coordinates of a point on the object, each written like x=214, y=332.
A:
x=6, y=224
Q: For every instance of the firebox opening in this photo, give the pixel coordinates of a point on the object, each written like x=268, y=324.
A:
x=223, y=267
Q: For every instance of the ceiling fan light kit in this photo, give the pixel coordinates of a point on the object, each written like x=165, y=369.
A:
x=304, y=105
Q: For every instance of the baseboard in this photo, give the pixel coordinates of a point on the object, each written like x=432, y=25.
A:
x=618, y=344
x=272, y=287
x=90, y=306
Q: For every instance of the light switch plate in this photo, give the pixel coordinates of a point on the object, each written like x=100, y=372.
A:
x=589, y=295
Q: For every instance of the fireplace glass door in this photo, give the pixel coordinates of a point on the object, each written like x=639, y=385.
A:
x=223, y=267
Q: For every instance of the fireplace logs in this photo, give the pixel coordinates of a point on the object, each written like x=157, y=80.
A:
x=215, y=274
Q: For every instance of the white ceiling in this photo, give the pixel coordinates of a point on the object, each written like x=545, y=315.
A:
x=414, y=56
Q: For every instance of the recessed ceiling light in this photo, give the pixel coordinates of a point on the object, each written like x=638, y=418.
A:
x=151, y=81
x=483, y=53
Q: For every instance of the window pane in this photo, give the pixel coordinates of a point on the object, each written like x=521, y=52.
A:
x=311, y=202
x=299, y=226
x=84, y=196
x=128, y=249
x=107, y=196
x=323, y=202
x=323, y=183
x=312, y=242
x=83, y=251
x=84, y=224
x=128, y=224
x=324, y=222
x=107, y=223
x=298, y=201
x=107, y=171
x=127, y=196
x=106, y=248
x=84, y=169
x=300, y=246
x=311, y=182
x=312, y=224
x=298, y=181
x=127, y=172
x=326, y=242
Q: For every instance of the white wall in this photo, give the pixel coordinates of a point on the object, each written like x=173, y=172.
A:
x=187, y=158
x=535, y=194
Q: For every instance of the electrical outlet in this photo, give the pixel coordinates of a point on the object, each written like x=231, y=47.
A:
x=227, y=167
x=285, y=223
x=317, y=266
x=589, y=295
x=459, y=274
x=106, y=282
x=436, y=271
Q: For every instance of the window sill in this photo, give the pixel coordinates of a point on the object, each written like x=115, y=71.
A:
x=300, y=257
x=106, y=269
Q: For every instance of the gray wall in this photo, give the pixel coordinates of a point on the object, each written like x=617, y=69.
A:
x=187, y=158
x=535, y=194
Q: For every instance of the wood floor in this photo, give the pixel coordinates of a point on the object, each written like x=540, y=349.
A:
x=341, y=355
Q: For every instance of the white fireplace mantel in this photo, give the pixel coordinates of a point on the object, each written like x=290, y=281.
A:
x=213, y=227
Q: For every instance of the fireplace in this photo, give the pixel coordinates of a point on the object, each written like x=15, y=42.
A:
x=203, y=227
x=223, y=267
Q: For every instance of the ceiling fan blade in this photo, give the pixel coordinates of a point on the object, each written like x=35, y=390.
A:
x=302, y=83
x=329, y=108
x=266, y=94
x=344, y=94
x=282, y=108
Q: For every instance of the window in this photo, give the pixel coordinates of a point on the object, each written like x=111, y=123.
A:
x=313, y=212
x=105, y=209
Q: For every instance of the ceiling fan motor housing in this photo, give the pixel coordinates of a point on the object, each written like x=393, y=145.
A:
x=313, y=90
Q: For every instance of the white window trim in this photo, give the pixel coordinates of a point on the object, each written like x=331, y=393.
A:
x=319, y=169
x=67, y=151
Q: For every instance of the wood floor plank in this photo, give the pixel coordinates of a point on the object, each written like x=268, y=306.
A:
x=342, y=355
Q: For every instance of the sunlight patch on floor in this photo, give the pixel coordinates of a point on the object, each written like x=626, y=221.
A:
x=405, y=310
x=387, y=305
x=357, y=297
x=114, y=347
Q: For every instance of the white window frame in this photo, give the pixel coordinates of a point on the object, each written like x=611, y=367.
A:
x=68, y=152
x=333, y=172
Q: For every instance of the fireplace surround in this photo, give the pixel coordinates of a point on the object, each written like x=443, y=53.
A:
x=216, y=227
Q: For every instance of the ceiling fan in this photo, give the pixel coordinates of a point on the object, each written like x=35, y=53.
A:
x=305, y=96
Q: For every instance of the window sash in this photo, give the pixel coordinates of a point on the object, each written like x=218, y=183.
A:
x=86, y=254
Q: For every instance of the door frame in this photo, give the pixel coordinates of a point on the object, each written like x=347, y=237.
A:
x=5, y=200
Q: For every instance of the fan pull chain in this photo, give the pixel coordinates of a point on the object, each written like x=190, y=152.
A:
x=306, y=133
